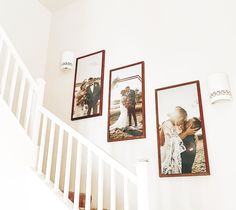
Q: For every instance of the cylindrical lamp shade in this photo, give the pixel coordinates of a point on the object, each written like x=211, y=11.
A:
x=219, y=87
x=67, y=60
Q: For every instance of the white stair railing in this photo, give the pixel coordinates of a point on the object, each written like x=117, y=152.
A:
x=24, y=96
x=17, y=87
x=91, y=150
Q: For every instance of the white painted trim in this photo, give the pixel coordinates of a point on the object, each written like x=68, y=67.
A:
x=143, y=192
x=96, y=150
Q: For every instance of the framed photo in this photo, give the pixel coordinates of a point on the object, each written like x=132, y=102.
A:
x=88, y=86
x=126, y=111
x=182, y=147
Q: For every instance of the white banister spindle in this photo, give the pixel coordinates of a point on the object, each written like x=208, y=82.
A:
x=59, y=156
x=126, y=193
x=42, y=144
x=5, y=73
x=113, y=190
x=142, y=185
x=38, y=97
x=88, y=180
x=50, y=152
x=68, y=168
x=1, y=43
x=13, y=85
x=20, y=98
x=100, y=184
x=78, y=176
x=28, y=109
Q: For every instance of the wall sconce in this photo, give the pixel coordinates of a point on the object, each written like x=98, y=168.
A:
x=219, y=87
x=67, y=60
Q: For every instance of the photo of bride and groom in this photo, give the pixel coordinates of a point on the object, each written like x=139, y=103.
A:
x=127, y=111
x=88, y=86
x=126, y=114
x=181, y=134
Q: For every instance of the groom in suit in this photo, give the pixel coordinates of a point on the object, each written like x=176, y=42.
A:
x=131, y=105
x=92, y=96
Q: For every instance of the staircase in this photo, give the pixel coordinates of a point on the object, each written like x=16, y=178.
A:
x=81, y=174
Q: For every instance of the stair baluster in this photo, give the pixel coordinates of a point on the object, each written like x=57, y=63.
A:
x=68, y=168
x=88, y=180
x=126, y=193
x=100, y=184
x=1, y=42
x=42, y=145
x=20, y=98
x=50, y=152
x=113, y=190
x=28, y=109
x=59, y=156
x=13, y=85
x=5, y=73
x=78, y=175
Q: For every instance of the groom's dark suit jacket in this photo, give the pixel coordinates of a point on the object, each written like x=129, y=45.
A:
x=189, y=155
x=93, y=97
x=131, y=97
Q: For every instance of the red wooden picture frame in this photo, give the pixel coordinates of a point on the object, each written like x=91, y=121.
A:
x=129, y=132
x=185, y=163
x=84, y=96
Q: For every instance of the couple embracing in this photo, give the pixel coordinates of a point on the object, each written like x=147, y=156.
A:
x=178, y=142
x=127, y=110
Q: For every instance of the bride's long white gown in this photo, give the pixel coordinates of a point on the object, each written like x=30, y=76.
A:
x=122, y=121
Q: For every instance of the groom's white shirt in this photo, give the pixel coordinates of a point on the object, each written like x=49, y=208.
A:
x=92, y=88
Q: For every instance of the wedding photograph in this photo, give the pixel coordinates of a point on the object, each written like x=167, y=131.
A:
x=182, y=147
x=126, y=111
x=88, y=86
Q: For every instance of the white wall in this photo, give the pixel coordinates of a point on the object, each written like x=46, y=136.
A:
x=21, y=188
x=179, y=41
x=27, y=24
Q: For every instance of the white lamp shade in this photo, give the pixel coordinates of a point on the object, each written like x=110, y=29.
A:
x=219, y=87
x=67, y=60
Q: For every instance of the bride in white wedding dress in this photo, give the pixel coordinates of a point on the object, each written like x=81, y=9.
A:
x=122, y=121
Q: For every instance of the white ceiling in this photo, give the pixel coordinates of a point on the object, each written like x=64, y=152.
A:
x=54, y=5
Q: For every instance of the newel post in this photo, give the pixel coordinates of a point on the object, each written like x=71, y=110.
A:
x=142, y=185
x=37, y=103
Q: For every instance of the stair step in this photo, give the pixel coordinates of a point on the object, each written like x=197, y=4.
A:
x=91, y=209
x=96, y=209
x=82, y=199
